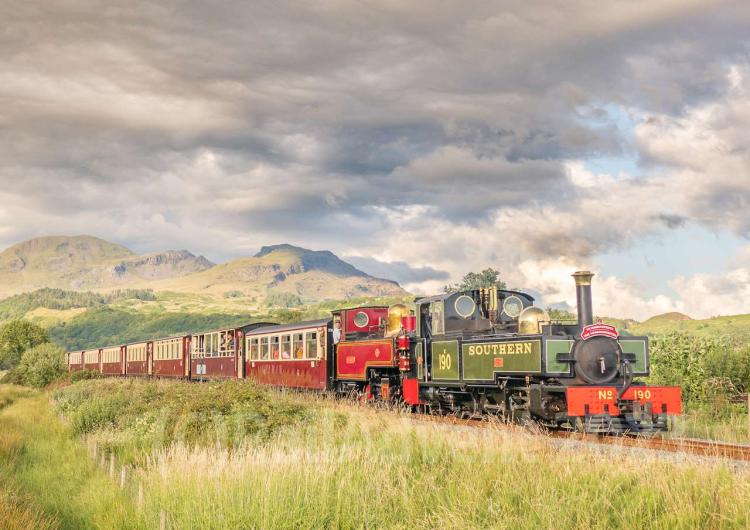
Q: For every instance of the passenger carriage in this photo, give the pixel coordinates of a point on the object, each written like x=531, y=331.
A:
x=290, y=355
x=75, y=361
x=171, y=357
x=138, y=358
x=113, y=360
x=91, y=360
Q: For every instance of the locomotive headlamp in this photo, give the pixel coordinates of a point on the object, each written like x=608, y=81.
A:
x=530, y=320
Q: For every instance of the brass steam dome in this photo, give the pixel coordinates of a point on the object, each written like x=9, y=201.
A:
x=530, y=320
x=395, y=312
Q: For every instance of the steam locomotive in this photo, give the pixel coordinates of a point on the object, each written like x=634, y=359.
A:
x=486, y=351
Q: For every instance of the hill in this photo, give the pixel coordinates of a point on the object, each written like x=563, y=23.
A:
x=86, y=262
x=296, y=274
x=277, y=276
x=736, y=328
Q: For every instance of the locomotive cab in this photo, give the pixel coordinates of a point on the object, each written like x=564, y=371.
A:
x=479, y=311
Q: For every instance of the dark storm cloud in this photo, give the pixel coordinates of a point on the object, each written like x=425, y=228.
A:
x=307, y=121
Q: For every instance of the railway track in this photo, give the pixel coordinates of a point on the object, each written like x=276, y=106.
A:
x=708, y=448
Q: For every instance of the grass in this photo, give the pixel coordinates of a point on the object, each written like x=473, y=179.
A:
x=46, y=477
x=720, y=421
x=19, y=513
x=234, y=455
x=133, y=418
x=312, y=463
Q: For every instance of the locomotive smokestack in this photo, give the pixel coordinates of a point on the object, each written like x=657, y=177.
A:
x=583, y=297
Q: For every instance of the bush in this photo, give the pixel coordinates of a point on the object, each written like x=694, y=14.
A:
x=705, y=368
x=42, y=364
x=16, y=337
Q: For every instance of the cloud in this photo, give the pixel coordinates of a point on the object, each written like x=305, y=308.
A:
x=400, y=271
x=446, y=139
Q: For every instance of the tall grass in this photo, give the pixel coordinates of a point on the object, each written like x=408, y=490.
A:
x=18, y=513
x=61, y=486
x=370, y=470
x=335, y=465
x=231, y=455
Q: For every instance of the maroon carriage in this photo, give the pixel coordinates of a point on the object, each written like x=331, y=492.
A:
x=215, y=354
x=292, y=355
x=75, y=361
x=171, y=357
x=219, y=354
x=91, y=360
x=138, y=358
x=113, y=360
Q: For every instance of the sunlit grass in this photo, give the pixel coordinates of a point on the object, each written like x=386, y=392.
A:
x=230, y=455
x=726, y=423
x=40, y=459
x=343, y=466
x=18, y=513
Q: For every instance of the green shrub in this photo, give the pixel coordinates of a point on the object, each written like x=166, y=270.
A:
x=42, y=364
x=707, y=369
x=133, y=416
x=16, y=337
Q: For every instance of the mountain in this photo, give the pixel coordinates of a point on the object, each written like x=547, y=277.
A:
x=86, y=262
x=81, y=263
x=309, y=275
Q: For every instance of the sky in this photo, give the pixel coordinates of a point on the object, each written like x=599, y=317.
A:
x=419, y=140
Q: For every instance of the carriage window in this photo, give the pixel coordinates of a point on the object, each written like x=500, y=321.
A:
x=298, y=346
x=274, y=347
x=254, y=349
x=312, y=345
x=286, y=347
x=227, y=343
x=264, y=348
x=212, y=344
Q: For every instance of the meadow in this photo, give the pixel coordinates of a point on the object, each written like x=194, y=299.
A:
x=234, y=455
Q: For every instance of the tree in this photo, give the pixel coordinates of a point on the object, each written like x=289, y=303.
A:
x=477, y=280
x=42, y=364
x=16, y=337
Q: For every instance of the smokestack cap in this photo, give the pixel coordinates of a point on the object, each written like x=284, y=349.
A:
x=583, y=277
